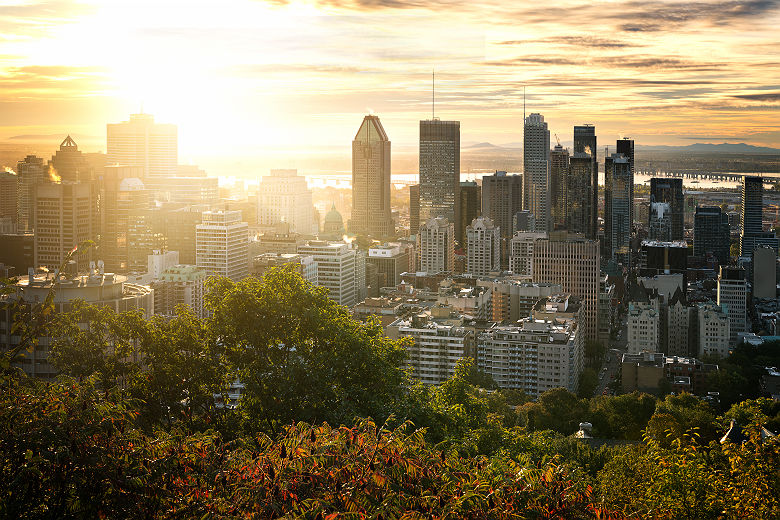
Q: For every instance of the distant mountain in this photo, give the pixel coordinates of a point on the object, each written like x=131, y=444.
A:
x=489, y=146
x=713, y=148
x=49, y=137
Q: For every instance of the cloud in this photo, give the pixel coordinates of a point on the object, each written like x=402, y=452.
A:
x=766, y=97
x=584, y=42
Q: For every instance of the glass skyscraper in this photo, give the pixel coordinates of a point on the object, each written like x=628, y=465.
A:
x=585, y=143
x=439, y=169
x=536, y=161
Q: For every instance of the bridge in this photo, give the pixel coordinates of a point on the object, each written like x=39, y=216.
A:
x=718, y=176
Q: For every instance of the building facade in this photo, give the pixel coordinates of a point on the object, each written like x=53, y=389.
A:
x=284, y=196
x=337, y=268
x=483, y=249
x=436, y=246
x=222, y=245
x=711, y=233
x=732, y=297
x=439, y=169
x=142, y=142
x=667, y=209
x=536, y=170
x=179, y=285
x=371, y=212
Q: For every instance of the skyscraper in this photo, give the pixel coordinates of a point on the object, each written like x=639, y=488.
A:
x=284, y=196
x=31, y=171
x=617, y=208
x=439, y=169
x=470, y=208
x=502, y=198
x=585, y=142
x=536, y=163
x=579, y=202
x=371, y=212
x=68, y=163
x=559, y=172
x=711, y=233
x=667, y=209
x=142, y=142
x=337, y=266
x=222, y=245
x=414, y=209
x=436, y=246
x=752, y=234
x=625, y=146
x=483, y=252
x=732, y=297
x=9, y=208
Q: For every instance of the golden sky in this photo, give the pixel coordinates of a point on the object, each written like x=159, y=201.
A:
x=240, y=76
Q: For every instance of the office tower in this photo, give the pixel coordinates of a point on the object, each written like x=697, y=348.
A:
x=284, y=196
x=336, y=269
x=178, y=227
x=559, y=172
x=502, y=198
x=656, y=258
x=573, y=263
x=585, y=142
x=711, y=233
x=470, y=208
x=436, y=246
x=390, y=261
x=579, y=201
x=714, y=326
x=437, y=347
x=68, y=163
x=732, y=297
x=184, y=190
x=752, y=232
x=625, y=147
x=536, y=354
x=521, y=252
x=483, y=247
x=371, y=214
x=414, y=209
x=179, y=285
x=9, y=207
x=439, y=169
x=617, y=208
x=523, y=221
x=144, y=143
x=30, y=171
x=667, y=209
x=536, y=164
x=679, y=325
x=222, y=245
x=764, y=272
x=65, y=215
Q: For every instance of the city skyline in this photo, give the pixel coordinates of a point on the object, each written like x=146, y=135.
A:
x=570, y=76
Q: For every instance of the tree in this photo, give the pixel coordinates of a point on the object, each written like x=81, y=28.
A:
x=589, y=381
x=678, y=415
x=556, y=409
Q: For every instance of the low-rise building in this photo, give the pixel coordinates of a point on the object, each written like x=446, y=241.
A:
x=714, y=330
x=179, y=285
x=644, y=326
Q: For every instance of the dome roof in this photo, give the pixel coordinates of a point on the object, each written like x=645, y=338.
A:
x=333, y=216
x=131, y=184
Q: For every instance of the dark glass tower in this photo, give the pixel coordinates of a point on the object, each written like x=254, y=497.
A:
x=667, y=209
x=585, y=143
x=625, y=146
x=439, y=169
x=470, y=202
x=559, y=171
x=617, y=208
x=752, y=234
x=711, y=233
x=580, y=209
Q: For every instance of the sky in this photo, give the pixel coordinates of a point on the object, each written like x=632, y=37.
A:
x=248, y=77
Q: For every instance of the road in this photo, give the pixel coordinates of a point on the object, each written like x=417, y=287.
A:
x=609, y=370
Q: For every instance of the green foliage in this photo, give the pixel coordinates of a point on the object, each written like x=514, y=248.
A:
x=676, y=415
x=594, y=354
x=621, y=417
x=557, y=409
x=589, y=381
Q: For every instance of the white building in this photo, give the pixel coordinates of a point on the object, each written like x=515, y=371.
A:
x=142, y=142
x=535, y=355
x=483, y=247
x=222, y=244
x=714, y=330
x=159, y=261
x=644, y=326
x=436, y=246
x=284, y=196
x=337, y=269
x=512, y=300
x=437, y=347
x=179, y=285
x=732, y=297
x=521, y=252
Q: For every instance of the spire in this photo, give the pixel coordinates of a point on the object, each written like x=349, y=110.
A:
x=68, y=143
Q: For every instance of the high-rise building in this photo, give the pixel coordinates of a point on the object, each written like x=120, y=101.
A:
x=142, y=142
x=284, y=196
x=523, y=221
x=371, y=213
x=390, y=261
x=9, y=193
x=439, y=169
x=521, y=252
x=68, y=164
x=536, y=170
x=30, y=171
x=222, y=245
x=436, y=246
x=559, y=172
x=617, y=208
x=714, y=330
x=470, y=208
x=656, y=258
x=178, y=227
x=65, y=215
x=336, y=269
x=643, y=327
x=585, y=142
x=179, y=285
x=580, y=209
x=502, y=198
x=667, y=209
x=483, y=250
x=679, y=325
x=414, y=209
x=752, y=232
x=764, y=272
x=732, y=297
x=573, y=263
x=711, y=233
x=625, y=147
